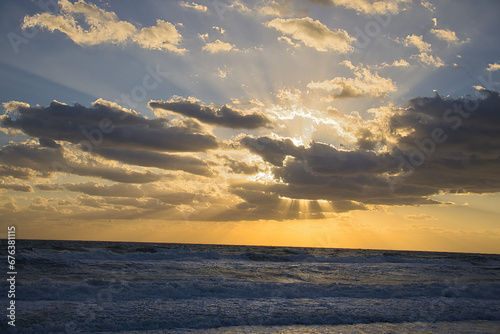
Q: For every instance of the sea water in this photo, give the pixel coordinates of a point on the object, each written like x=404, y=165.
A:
x=81, y=287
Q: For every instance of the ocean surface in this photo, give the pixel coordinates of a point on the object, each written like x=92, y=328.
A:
x=105, y=287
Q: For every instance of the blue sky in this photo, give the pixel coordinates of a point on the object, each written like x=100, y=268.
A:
x=289, y=110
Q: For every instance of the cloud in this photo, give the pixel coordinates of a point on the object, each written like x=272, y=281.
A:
x=420, y=216
x=309, y=181
x=150, y=204
x=46, y=161
x=274, y=8
x=465, y=157
x=493, y=67
x=224, y=116
x=429, y=59
x=239, y=6
x=104, y=27
x=273, y=151
x=203, y=37
x=165, y=161
x=368, y=7
x=424, y=48
x=428, y=5
x=97, y=189
x=289, y=41
x=17, y=173
x=281, y=9
x=163, y=36
x=219, y=30
x=48, y=187
x=16, y=187
x=365, y=83
x=314, y=34
x=120, y=190
x=104, y=125
x=321, y=172
x=449, y=36
x=218, y=46
x=30, y=156
x=10, y=206
x=396, y=63
x=221, y=73
x=194, y=6
x=240, y=167
x=418, y=42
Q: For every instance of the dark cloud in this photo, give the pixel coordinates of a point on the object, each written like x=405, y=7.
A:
x=450, y=145
x=273, y=151
x=224, y=116
x=46, y=161
x=403, y=157
x=97, y=189
x=239, y=167
x=93, y=202
x=31, y=156
x=17, y=173
x=49, y=187
x=130, y=191
x=471, y=125
x=149, y=203
x=454, y=144
x=267, y=201
x=103, y=125
x=48, y=143
x=166, y=161
x=16, y=187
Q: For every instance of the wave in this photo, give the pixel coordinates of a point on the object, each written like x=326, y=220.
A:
x=118, y=290
x=102, y=286
x=186, y=254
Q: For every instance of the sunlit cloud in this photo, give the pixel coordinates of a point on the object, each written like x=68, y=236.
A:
x=396, y=63
x=428, y=59
x=493, y=67
x=420, y=217
x=365, y=83
x=418, y=42
x=281, y=9
x=104, y=27
x=218, y=46
x=366, y=6
x=428, y=5
x=314, y=34
x=424, y=56
x=449, y=36
x=16, y=186
x=193, y=5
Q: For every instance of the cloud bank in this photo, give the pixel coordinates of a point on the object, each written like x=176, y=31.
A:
x=403, y=156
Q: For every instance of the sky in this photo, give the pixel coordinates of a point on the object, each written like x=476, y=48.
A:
x=320, y=123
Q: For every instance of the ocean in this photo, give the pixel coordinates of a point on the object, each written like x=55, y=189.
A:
x=119, y=287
